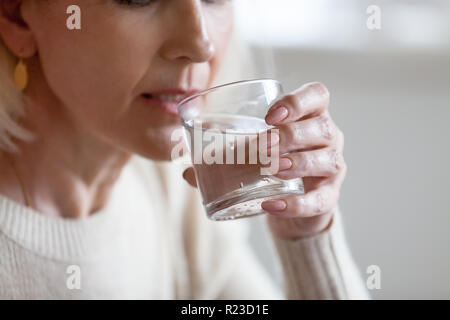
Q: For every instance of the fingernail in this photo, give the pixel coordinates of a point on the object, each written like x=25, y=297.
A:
x=284, y=164
x=273, y=205
x=277, y=115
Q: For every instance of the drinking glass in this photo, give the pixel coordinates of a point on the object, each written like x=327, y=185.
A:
x=223, y=127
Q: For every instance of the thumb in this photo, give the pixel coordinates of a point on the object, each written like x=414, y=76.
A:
x=189, y=176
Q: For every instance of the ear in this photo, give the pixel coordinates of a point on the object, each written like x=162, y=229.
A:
x=15, y=33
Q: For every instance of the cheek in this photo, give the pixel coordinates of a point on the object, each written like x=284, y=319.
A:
x=93, y=71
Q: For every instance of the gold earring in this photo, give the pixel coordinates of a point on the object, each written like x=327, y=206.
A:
x=21, y=75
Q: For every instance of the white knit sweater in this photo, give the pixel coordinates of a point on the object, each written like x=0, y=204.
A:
x=153, y=241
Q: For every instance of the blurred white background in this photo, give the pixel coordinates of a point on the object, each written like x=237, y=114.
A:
x=390, y=93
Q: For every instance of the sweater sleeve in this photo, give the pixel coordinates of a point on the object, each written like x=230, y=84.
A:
x=321, y=266
x=318, y=267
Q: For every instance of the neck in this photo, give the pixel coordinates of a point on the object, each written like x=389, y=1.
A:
x=67, y=170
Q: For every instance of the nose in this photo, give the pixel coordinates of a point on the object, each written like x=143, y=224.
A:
x=188, y=38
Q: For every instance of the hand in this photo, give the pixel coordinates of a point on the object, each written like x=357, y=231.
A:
x=315, y=147
x=307, y=130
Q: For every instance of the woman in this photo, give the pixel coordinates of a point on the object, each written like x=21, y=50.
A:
x=89, y=205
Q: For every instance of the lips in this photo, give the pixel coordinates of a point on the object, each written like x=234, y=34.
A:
x=168, y=100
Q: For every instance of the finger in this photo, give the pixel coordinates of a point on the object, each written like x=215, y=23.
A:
x=317, y=132
x=314, y=203
x=310, y=99
x=313, y=183
x=189, y=176
x=325, y=162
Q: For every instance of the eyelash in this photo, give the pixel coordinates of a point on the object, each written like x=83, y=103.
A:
x=142, y=3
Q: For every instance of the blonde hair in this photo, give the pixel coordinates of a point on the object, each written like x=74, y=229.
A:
x=12, y=104
x=237, y=65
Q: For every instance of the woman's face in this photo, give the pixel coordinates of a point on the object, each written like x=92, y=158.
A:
x=107, y=75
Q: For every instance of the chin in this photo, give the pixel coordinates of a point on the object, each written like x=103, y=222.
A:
x=156, y=154
x=157, y=149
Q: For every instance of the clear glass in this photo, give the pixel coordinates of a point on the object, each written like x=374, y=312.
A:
x=219, y=123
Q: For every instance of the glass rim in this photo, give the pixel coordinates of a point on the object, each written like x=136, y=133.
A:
x=230, y=84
